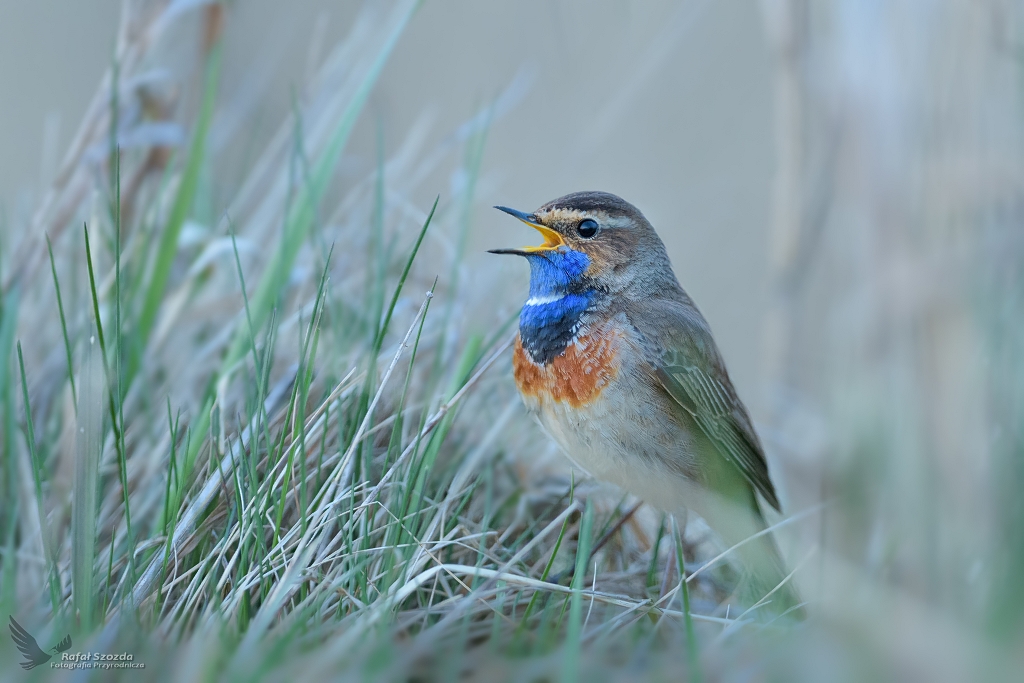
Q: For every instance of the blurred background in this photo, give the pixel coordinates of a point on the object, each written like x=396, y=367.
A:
x=839, y=184
x=666, y=104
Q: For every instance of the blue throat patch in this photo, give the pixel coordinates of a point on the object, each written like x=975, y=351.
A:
x=559, y=297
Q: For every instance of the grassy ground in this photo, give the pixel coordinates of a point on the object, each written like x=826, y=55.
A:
x=248, y=434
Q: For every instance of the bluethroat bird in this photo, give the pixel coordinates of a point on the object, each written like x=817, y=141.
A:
x=620, y=368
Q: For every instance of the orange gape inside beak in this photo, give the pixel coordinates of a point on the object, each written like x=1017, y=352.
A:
x=552, y=240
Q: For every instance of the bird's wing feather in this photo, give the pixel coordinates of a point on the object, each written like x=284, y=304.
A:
x=27, y=644
x=64, y=644
x=701, y=396
x=689, y=367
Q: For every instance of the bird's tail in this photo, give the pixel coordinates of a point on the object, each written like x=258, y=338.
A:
x=765, y=581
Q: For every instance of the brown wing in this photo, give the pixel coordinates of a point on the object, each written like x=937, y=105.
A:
x=723, y=420
x=689, y=367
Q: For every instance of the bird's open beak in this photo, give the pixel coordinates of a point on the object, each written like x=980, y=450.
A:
x=552, y=240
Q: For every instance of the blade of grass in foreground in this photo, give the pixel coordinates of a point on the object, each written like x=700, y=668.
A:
x=547, y=571
x=470, y=357
x=63, y=325
x=303, y=211
x=37, y=479
x=307, y=356
x=297, y=226
x=168, y=248
x=653, y=567
x=691, y=641
x=88, y=445
x=184, y=523
x=112, y=383
x=8, y=322
x=571, y=662
x=117, y=410
x=309, y=541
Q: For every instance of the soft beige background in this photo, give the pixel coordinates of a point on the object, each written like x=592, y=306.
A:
x=667, y=103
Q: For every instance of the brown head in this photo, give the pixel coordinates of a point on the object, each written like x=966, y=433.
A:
x=599, y=254
x=624, y=255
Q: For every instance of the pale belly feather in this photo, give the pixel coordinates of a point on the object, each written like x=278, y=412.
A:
x=616, y=430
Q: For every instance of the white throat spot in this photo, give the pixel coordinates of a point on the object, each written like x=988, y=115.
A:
x=544, y=299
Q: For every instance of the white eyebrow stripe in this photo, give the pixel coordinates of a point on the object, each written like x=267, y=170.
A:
x=542, y=300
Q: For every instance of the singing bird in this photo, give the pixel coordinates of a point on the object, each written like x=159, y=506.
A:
x=620, y=368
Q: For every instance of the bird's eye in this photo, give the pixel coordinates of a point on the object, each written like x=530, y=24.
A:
x=587, y=229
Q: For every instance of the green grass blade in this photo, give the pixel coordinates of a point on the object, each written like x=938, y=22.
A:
x=546, y=572
x=88, y=447
x=37, y=480
x=304, y=210
x=301, y=389
x=377, y=270
x=8, y=323
x=571, y=661
x=653, y=567
x=118, y=390
x=63, y=325
x=93, y=292
x=471, y=167
x=183, y=200
x=296, y=228
x=691, y=639
x=30, y=429
x=470, y=357
x=113, y=393
x=401, y=281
